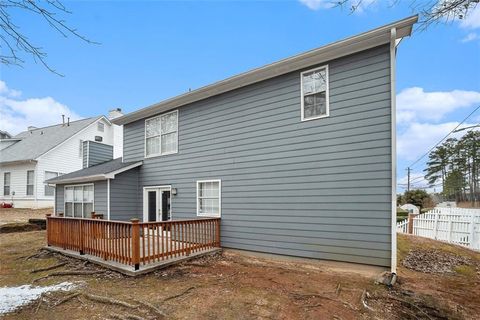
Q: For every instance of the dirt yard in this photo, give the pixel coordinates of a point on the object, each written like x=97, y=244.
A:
x=22, y=215
x=238, y=286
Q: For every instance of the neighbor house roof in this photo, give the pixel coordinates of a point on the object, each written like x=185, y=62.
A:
x=363, y=41
x=106, y=170
x=34, y=143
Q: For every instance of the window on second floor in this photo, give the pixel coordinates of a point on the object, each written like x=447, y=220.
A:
x=6, y=183
x=30, y=182
x=49, y=190
x=80, y=148
x=161, y=134
x=314, y=88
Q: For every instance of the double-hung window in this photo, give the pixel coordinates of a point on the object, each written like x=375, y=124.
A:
x=49, y=190
x=209, y=198
x=30, y=182
x=6, y=183
x=314, y=89
x=79, y=201
x=161, y=134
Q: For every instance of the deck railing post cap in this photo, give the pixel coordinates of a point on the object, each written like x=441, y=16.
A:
x=134, y=220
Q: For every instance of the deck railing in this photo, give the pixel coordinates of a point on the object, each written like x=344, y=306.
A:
x=133, y=243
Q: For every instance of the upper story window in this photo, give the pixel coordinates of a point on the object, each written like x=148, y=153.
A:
x=49, y=190
x=314, y=89
x=161, y=134
x=80, y=148
x=30, y=180
x=6, y=183
x=100, y=126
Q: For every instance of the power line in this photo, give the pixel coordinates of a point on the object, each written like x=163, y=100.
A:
x=416, y=161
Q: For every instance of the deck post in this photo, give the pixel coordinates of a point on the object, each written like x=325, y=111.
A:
x=82, y=236
x=135, y=243
x=217, y=240
x=48, y=215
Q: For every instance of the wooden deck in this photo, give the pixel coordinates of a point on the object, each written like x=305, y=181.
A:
x=133, y=245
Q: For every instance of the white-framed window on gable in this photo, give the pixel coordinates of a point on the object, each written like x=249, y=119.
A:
x=79, y=200
x=161, y=134
x=49, y=190
x=209, y=198
x=314, y=92
x=100, y=126
x=80, y=148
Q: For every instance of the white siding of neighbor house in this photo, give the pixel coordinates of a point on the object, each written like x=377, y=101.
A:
x=64, y=158
x=18, y=183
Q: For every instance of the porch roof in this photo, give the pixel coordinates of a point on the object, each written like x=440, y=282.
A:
x=103, y=171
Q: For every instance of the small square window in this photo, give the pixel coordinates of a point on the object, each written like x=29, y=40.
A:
x=314, y=87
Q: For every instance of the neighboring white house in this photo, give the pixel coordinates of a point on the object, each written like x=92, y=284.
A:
x=38, y=154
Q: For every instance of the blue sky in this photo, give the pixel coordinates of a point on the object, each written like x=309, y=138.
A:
x=154, y=50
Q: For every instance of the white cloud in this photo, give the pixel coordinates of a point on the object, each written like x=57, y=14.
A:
x=17, y=113
x=472, y=21
x=317, y=4
x=418, y=138
x=6, y=91
x=414, y=104
x=470, y=37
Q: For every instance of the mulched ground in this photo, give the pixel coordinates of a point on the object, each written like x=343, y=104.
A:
x=434, y=261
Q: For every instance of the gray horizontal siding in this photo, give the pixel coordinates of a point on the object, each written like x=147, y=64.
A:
x=319, y=189
x=99, y=153
x=125, y=203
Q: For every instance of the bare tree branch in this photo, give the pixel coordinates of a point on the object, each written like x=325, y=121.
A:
x=14, y=43
x=431, y=12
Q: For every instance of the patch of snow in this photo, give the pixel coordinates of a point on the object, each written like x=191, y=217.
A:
x=13, y=297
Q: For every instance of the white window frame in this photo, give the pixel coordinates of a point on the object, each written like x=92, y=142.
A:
x=327, y=90
x=30, y=185
x=46, y=184
x=9, y=183
x=100, y=127
x=73, y=202
x=219, y=199
x=80, y=149
x=145, y=136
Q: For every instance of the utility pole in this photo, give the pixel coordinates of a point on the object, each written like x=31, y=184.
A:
x=408, y=178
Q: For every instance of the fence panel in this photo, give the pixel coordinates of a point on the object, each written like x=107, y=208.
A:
x=455, y=225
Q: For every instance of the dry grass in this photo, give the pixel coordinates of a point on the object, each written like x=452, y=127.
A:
x=15, y=215
x=235, y=286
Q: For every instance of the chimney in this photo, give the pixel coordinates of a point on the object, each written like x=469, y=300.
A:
x=68, y=122
x=115, y=113
x=30, y=128
x=63, y=120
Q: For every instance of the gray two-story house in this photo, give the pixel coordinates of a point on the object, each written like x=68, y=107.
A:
x=296, y=157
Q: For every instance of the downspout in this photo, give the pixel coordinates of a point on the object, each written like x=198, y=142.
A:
x=393, y=36
x=108, y=199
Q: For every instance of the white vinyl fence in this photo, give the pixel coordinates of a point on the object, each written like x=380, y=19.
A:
x=455, y=225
